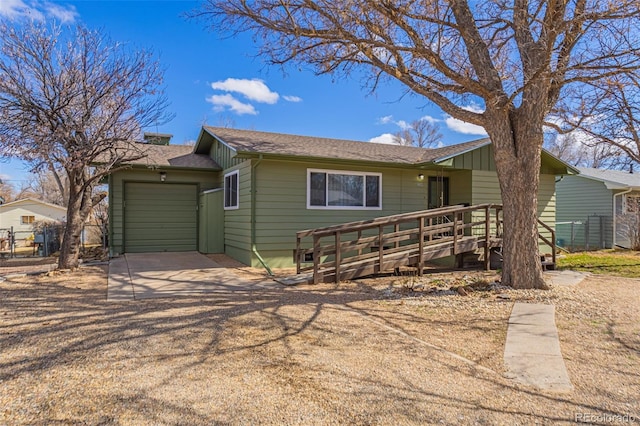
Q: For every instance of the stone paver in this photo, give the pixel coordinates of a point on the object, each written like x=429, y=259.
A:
x=565, y=278
x=532, y=353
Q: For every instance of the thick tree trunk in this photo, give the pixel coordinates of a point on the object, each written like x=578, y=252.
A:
x=517, y=149
x=70, y=249
x=78, y=208
x=79, y=205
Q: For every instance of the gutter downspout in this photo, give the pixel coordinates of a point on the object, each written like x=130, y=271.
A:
x=614, y=214
x=254, y=248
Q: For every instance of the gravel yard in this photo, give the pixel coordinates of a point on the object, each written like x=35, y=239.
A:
x=374, y=351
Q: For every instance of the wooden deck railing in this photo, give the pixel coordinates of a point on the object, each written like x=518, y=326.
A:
x=549, y=242
x=355, y=249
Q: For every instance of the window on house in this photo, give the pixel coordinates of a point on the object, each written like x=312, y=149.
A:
x=27, y=220
x=330, y=189
x=231, y=190
x=438, y=192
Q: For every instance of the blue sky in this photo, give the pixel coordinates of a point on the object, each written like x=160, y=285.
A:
x=211, y=79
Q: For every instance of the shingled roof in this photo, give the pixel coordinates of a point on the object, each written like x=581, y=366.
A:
x=171, y=156
x=613, y=179
x=255, y=142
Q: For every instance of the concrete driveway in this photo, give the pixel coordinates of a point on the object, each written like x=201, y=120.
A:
x=151, y=275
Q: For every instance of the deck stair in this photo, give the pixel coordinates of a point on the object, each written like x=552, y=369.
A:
x=362, y=248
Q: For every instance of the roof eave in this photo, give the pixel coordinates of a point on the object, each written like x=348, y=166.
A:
x=218, y=138
x=609, y=184
x=291, y=157
x=199, y=142
x=450, y=156
x=168, y=166
x=569, y=169
x=35, y=200
x=619, y=186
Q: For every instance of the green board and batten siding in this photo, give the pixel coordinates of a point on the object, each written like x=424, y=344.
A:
x=223, y=155
x=486, y=189
x=482, y=159
x=117, y=204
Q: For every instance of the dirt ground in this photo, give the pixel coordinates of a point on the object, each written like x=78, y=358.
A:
x=376, y=351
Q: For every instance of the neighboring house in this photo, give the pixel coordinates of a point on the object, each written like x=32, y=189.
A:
x=22, y=214
x=600, y=205
x=246, y=193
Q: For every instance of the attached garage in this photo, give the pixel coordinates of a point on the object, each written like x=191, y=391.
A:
x=160, y=217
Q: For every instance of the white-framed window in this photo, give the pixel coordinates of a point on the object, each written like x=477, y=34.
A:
x=231, y=186
x=343, y=190
x=27, y=220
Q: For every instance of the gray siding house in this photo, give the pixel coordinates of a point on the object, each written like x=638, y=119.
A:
x=597, y=208
x=246, y=193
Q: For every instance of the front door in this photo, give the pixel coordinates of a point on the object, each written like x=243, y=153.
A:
x=438, y=192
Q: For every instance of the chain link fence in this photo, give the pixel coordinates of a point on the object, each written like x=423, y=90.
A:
x=591, y=233
x=45, y=240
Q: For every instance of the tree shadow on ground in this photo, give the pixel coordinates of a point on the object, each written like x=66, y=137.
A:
x=275, y=331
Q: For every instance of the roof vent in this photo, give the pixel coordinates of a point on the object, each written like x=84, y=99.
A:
x=631, y=168
x=157, y=138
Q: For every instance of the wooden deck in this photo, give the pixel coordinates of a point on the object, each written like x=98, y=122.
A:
x=357, y=249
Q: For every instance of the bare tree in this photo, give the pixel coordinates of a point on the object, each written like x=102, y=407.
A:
x=580, y=149
x=47, y=185
x=421, y=133
x=73, y=101
x=515, y=59
x=609, y=114
x=7, y=192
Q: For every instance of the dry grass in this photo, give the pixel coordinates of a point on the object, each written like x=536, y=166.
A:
x=367, y=352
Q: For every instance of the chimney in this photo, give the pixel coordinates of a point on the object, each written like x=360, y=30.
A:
x=157, y=138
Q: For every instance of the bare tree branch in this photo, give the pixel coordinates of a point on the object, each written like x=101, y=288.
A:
x=521, y=62
x=73, y=102
x=421, y=133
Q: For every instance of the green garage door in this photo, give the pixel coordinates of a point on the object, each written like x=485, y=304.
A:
x=160, y=217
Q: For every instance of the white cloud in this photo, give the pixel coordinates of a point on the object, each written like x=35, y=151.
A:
x=37, y=10
x=253, y=89
x=16, y=9
x=473, y=107
x=228, y=102
x=403, y=124
x=386, y=119
x=464, y=127
x=386, y=138
x=452, y=124
x=292, y=98
x=430, y=119
x=64, y=14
